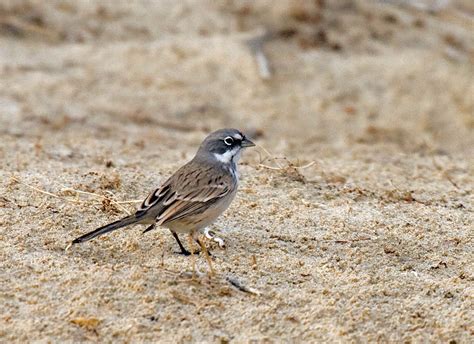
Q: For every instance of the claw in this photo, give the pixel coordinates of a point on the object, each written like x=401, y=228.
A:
x=211, y=235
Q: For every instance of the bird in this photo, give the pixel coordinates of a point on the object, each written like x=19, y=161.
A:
x=194, y=196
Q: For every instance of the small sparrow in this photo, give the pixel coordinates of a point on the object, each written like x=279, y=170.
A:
x=195, y=195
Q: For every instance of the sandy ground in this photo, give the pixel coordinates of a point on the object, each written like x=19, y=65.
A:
x=371, y=241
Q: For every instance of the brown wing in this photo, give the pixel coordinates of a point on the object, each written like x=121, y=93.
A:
x=190, y=190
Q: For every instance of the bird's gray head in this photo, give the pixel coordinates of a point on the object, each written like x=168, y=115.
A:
x=224, y=145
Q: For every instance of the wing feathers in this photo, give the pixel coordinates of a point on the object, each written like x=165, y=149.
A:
x=186, y=192
x=193, y=202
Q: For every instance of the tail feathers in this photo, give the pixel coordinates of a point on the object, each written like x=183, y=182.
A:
x=108, y=228
x=149, y=228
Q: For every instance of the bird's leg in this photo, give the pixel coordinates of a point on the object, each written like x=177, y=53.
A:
x=183, y=250
x=199, y=243
x=206, y=254
x=193, y=257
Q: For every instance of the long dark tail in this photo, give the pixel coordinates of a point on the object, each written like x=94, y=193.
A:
x=108, y=228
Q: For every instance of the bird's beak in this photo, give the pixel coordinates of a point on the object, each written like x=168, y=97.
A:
x=247, y=143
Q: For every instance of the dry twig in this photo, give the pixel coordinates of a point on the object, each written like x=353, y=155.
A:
x=117, y=203
x=242, y=287
x=271, y=157
x=350, y=240
x=290, y=170
x=256, y=47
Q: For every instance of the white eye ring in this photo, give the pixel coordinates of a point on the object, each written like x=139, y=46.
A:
x=229, y=141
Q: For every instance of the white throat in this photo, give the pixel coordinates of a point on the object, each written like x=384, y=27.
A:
x=230, y=156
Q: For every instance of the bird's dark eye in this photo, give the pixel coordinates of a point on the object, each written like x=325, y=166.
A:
x=229, y=141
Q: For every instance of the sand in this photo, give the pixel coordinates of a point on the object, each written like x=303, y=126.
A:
x=361, y=231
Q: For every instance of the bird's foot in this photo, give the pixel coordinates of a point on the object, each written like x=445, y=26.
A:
x=185, y=252
x=211, y=235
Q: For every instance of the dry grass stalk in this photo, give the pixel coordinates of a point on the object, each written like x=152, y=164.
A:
x=256, y=47
x=290, y=169
x=241, y=286
x=118, y=204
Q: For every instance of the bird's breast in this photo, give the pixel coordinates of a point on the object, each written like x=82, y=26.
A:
x=203, y=219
